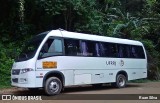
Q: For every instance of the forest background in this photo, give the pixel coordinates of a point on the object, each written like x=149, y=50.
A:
x=20, y=20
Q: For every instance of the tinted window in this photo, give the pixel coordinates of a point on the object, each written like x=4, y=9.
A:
x=105, y=49
x=51, y=47
x=140, y=52
x=123, y=51
x=97, y=50
x=108, y=50
x=72, y=47
x=90, y=48
x=75, y=47
x=137, y=52
x=113, y=50
x=30, y=48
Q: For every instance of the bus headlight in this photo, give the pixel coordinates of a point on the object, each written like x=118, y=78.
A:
x=26, y=70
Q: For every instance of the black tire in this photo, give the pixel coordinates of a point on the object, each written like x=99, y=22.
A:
x=121, y=81
x=53, y=86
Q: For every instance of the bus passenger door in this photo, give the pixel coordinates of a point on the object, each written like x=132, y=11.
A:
x=48, y=56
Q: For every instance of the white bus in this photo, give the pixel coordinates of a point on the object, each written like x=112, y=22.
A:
x=56, y=59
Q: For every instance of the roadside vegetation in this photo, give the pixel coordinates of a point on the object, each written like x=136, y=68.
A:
x=130, y=19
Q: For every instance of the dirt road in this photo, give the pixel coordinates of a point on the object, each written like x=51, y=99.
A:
x=132, y=88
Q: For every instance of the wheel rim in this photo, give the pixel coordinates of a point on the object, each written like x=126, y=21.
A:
x=121, y=81
x=53, y=86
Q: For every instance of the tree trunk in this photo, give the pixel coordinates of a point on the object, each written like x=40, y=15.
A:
x=21, y=10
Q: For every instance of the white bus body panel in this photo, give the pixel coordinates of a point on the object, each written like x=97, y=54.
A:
x=94, y=70
x=30, y=76
x=82, y=70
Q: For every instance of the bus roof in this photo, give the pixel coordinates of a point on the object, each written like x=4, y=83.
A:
x=75, y=35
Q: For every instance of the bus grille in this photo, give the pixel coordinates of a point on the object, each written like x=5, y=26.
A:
x=15, y=71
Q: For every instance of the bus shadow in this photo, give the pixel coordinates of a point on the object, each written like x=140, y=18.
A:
x=92, y=88
x=85, y=88
x=65, y=91
x=133, y=85
x=70, y=90
x=26, y=92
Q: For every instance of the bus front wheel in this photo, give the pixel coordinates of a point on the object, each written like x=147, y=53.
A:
x=53, y=86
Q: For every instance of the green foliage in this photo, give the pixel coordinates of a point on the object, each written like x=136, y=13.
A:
x=5, y=63
x=129, y=19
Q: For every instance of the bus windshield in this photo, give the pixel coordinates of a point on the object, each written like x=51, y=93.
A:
x=30, y=48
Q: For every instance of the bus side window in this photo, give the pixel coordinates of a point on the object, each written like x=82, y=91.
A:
x=134, y=52
x=90, y=48
x=127, y=51
x=93, y=49
x=137, y=52
x=120, y=51
x=84, y=48
x=123, y=51
x=97, y=50
x=72, y=47
x=87, y=48
x=140, y=52
x=104, y=49
x=113, y=50
x=51, y=47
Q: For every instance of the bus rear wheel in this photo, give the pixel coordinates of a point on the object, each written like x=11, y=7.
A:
x=120, y=81
x=53, y=86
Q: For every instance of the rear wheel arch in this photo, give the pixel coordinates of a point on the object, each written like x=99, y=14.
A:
x=121, y=79
x=123, y=73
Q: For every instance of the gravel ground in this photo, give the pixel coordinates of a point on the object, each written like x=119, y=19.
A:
x=132, y=88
